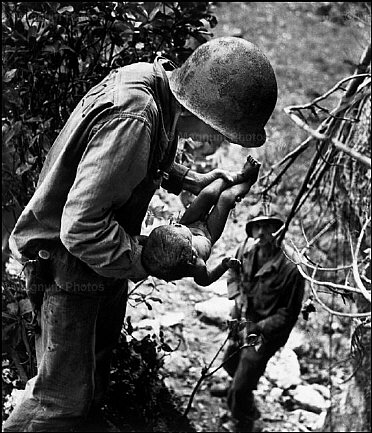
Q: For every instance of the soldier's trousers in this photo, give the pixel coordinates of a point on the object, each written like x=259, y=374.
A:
x=79, y=329
x=246, y=367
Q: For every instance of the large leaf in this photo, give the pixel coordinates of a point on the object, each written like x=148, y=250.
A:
x=9, y=75
x=12, y=307
x=7, y=332
x=66, y=9
x=25, y=306
x=23, y=168
x=154, y=12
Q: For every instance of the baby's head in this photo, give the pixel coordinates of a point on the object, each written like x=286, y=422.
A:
x=168, y=252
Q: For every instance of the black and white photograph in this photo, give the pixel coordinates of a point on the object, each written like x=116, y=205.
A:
x=186, y=217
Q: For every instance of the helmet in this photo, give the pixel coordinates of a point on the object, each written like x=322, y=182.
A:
x=230, y=85
x=264, y=212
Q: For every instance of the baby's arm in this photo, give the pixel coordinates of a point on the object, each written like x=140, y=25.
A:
x=204, y=276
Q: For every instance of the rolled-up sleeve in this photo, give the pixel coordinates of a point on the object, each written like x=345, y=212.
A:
x=233, y=278
x=176, y=176
x=113, y=164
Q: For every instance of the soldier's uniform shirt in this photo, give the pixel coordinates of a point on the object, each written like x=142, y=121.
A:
x=270, y=296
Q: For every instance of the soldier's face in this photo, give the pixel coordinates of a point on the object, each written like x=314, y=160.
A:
x=263, y=230
x=190, y=126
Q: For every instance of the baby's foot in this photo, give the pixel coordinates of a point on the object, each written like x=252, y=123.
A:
x=249, y=172
x=250, y=169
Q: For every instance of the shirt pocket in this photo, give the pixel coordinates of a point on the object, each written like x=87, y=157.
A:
x=268, y=292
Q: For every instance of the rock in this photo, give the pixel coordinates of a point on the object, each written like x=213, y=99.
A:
x=319, y=425
x=14, y=398
x=14, y=268
x=171, y=319
x=297, y=341
x=264, y=385
x=215, y=310
x=309, y=419
x=324, y=390
x=229, y=426
x=170, y=382
x=221, y=375
x=176, y=362
x=306, y=397
x=219, y=287
x=275, y=393
x=145, y=327
x=283, y=369
x=233, y=31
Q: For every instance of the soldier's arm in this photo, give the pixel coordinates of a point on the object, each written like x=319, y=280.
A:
x=233, y=277
x=181, y=177
x=114, y=163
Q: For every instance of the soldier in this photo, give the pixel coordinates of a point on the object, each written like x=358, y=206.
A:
x=79, y=236
x=268, y=291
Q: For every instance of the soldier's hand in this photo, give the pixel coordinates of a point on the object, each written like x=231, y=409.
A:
x=252, y=332
x=141, y=239
x=34, y=287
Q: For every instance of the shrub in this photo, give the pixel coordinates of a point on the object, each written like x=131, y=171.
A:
x=53, y=53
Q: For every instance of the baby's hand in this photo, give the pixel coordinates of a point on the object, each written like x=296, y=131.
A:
x=232, y=263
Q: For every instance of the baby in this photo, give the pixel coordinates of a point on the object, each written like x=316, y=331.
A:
x=180, y=250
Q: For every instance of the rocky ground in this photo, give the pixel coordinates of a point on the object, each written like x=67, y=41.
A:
x=294, y=393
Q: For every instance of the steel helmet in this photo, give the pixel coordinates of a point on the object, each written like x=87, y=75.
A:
x=229, y=84
x=264, y=212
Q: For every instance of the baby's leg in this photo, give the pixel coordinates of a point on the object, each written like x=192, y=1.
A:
x=204, y=201
x=217, y=218
x=209, y=195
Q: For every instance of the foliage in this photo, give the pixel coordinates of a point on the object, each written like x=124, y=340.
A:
x=53, y=53
x=341, y=12
x=137, y=392
x=19, y=359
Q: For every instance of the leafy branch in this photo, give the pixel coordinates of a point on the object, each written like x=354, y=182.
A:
x=251, y=341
